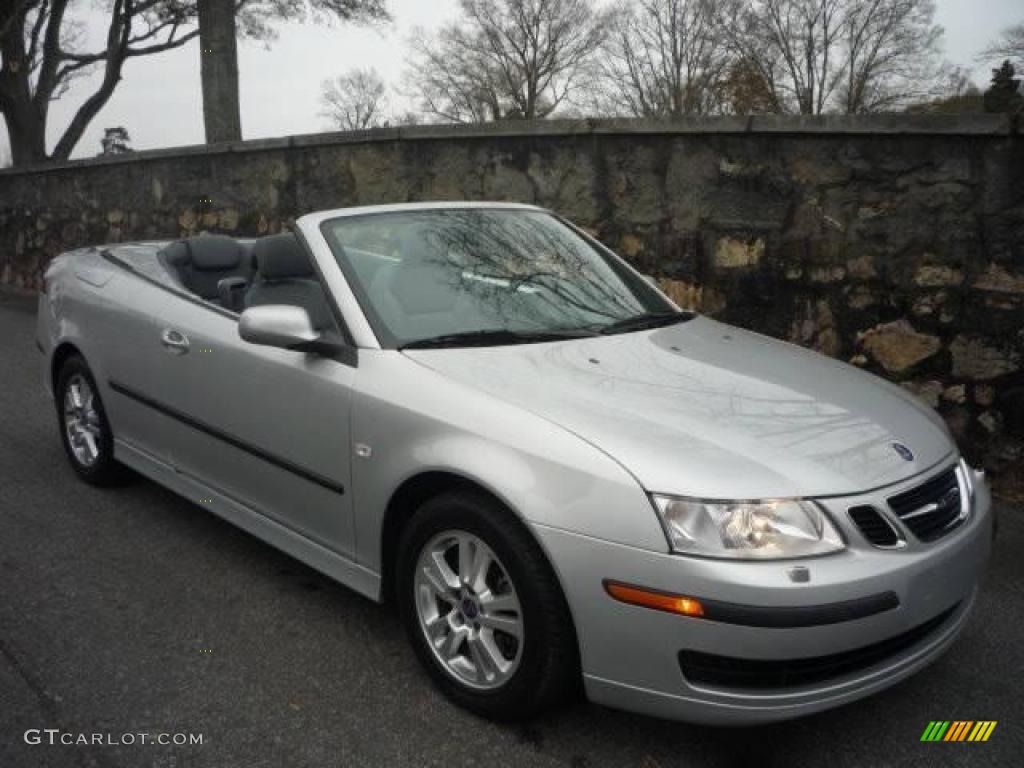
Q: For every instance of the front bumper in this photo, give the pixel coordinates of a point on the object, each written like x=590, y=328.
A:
x=631, y=654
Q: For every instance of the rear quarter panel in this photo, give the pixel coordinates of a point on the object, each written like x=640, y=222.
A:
x=70, y=281
x=105, y=313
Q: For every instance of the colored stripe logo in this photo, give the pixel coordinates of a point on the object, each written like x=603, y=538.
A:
x=958, y=730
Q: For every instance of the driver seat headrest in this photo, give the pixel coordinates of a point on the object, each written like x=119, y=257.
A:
x=281, y=257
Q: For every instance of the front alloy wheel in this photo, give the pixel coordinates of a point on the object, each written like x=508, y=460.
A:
x=483, y=608
x=468, y=610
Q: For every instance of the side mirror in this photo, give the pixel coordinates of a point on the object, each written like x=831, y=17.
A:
x=277, y=325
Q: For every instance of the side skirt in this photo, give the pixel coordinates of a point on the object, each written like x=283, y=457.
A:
x=331, y=564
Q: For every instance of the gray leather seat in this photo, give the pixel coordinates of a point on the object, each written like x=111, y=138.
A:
x=284, y=275
x=418, y=297
x=200, y=263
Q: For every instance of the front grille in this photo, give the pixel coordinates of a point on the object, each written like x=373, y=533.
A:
x=730, y=672
x=932, y=509
x=875, y=528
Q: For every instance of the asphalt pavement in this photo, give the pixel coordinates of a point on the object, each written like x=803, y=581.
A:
x=131, y=611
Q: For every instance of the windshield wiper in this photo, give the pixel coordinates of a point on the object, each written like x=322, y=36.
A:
x=645, y=321
x=496, y=337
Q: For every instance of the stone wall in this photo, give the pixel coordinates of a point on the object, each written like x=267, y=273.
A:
x=895, y=242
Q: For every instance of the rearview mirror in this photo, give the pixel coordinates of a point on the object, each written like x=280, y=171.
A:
x=277, y=325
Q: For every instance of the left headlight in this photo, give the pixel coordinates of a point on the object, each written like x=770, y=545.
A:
x=757, y=530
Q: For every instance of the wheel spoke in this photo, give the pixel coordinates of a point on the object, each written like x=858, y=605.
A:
x=493, y=603
x=91, y=442
x=438, y=628
x=466, y=554
x=494, y=653
x=478, y=574
x=485, y=668
x=486, y=653
x=508, y=625
x=434, y=573
x=474, y=560
x=452, y=643
x=76, y=395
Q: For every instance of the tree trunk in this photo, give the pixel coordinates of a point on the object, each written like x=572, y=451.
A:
x=26, y=127
x=218, y=58
x=26, y=131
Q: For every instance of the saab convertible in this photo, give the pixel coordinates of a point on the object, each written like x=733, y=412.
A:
x=480, y=413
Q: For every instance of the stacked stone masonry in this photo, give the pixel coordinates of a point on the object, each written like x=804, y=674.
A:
x=895, y=243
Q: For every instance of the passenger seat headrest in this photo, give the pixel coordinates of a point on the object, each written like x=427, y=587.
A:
x=206, y=253
x=278, y=257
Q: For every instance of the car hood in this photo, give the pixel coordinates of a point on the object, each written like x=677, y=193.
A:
x=708, y=410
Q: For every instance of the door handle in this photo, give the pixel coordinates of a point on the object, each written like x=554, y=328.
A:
x=174, y=341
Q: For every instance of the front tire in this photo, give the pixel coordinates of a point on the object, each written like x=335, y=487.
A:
x=84, y=428
x=483, y=608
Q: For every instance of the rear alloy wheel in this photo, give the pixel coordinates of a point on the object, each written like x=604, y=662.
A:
x=84, y=428
x=81, y=421
x=483, y=608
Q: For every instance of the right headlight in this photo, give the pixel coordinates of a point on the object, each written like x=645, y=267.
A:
x=755, y=530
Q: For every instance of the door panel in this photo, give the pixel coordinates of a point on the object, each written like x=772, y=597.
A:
x=269, y=427
x=119, y=322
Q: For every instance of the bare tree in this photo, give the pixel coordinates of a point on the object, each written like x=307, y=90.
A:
x=506, y=58
x=355, y=100
x=1010, y=45
x=890, y=54
x=451, y=81
x=665, y=59
x=793, y=44
x=41, y=54
x=850, y=56
x=221, y=22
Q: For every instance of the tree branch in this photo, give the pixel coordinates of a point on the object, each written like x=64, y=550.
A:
x=45, y=83
x=164, y=46
x=41, y=15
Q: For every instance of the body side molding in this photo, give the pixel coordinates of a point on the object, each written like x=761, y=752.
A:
x=218, y=434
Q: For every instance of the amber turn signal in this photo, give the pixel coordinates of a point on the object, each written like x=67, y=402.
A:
x=650, y=598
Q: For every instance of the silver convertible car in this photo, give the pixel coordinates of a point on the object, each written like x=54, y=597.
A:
x=481, y=413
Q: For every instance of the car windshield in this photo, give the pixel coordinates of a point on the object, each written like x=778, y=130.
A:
x=487, y=276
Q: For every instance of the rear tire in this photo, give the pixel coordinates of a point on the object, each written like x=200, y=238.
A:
x=84, y=428
x=497, y=638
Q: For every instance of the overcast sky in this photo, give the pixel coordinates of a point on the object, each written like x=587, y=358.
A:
x=158, y=100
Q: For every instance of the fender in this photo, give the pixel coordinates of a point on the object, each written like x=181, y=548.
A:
x=415, y=421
